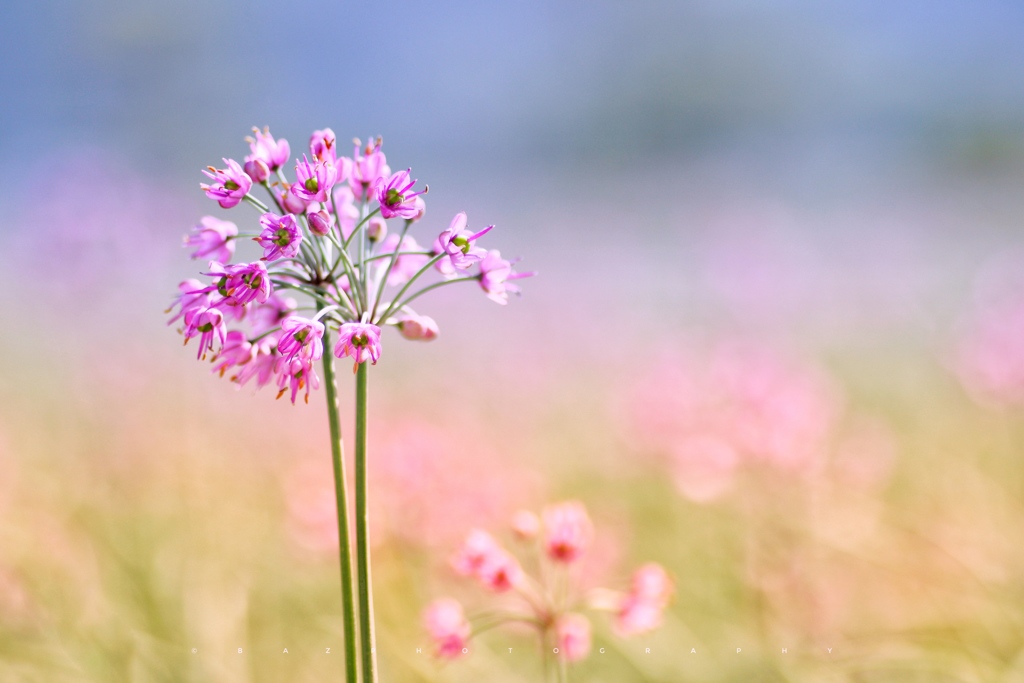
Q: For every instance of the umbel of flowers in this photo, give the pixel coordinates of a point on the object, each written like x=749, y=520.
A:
x=340, y=236
x=551, y=601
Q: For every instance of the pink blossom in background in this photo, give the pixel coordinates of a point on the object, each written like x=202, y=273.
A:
x=312, y=519
x=212, y=239
x=705, y=415
x=427, y=484
x=572, y=637
x=405, y=266
x=323, y=144
x=525, y=524
x=273, y=153
x=368, y=165
x=567, y=531
x=549, y=599
x=989, y=354
x=495, y=273
x=445, y=623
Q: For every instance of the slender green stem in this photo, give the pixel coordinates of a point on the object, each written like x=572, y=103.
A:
x=563, y=668
x=341, y=495
x=419, y=273
x=397, y=305
x=260, y=206
x=360, y=224
x=387, y=271
x=366, y=630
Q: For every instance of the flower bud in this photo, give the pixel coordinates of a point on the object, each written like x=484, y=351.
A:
x=376, y=229
x=320, y=222
x=257, y=169
x=291, y=203
x=418, y=328
x=525, y=525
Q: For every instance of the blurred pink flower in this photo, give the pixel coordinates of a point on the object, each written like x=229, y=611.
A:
x=572, y=637
x=417, y=327
x=273, y=153
x=213, y=239
x=567, y=531
x=989, y=354
x=706, y=415
x=525, y=525
x=641, y=609
x=446, y=625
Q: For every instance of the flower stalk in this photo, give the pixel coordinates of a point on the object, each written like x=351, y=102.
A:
x=342, y=203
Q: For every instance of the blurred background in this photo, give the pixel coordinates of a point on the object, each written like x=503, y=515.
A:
x=776, y=343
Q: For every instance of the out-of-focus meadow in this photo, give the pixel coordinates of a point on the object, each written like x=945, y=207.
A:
x=776, y=343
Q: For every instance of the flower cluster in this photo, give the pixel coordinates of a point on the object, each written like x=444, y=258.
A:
x=552, y=600
x=326, y=236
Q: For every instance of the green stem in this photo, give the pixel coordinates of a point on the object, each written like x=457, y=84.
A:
x=341, y=495
x=366, y=631
x=387, y=271
x=398, y=304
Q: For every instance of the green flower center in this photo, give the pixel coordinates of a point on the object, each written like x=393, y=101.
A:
x=393, y=197
x=231, y=185
x=283, y=238
x=462, y=243
x=312, y=185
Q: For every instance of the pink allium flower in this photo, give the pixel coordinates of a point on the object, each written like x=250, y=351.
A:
x=572, y=637
x=652, y=583
x=474, y=551
x=495, y=273
x=301, y=336
x=320, y=222
x=367, y=168
x=229, y=185
x=256, y=169
x=236, y=351
x=314, y=180
x=267, y=315
x=273, y=153
x=567, y=531
x=376, y=229
x=447, y=626
x=323, y=145
x=417, y=327
x=393, y=193
x=525, y=524
x=281, y=236
x=290, y=201
x=359, y=341
x=213, y=239
x=263, y=366
x=460, y=244
x=989, y=360
x=241, y=283
x=191, y=294
x=405, y=266
x=208, y=324
x=296, y=375
x=500, y=571
x=641, y=609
